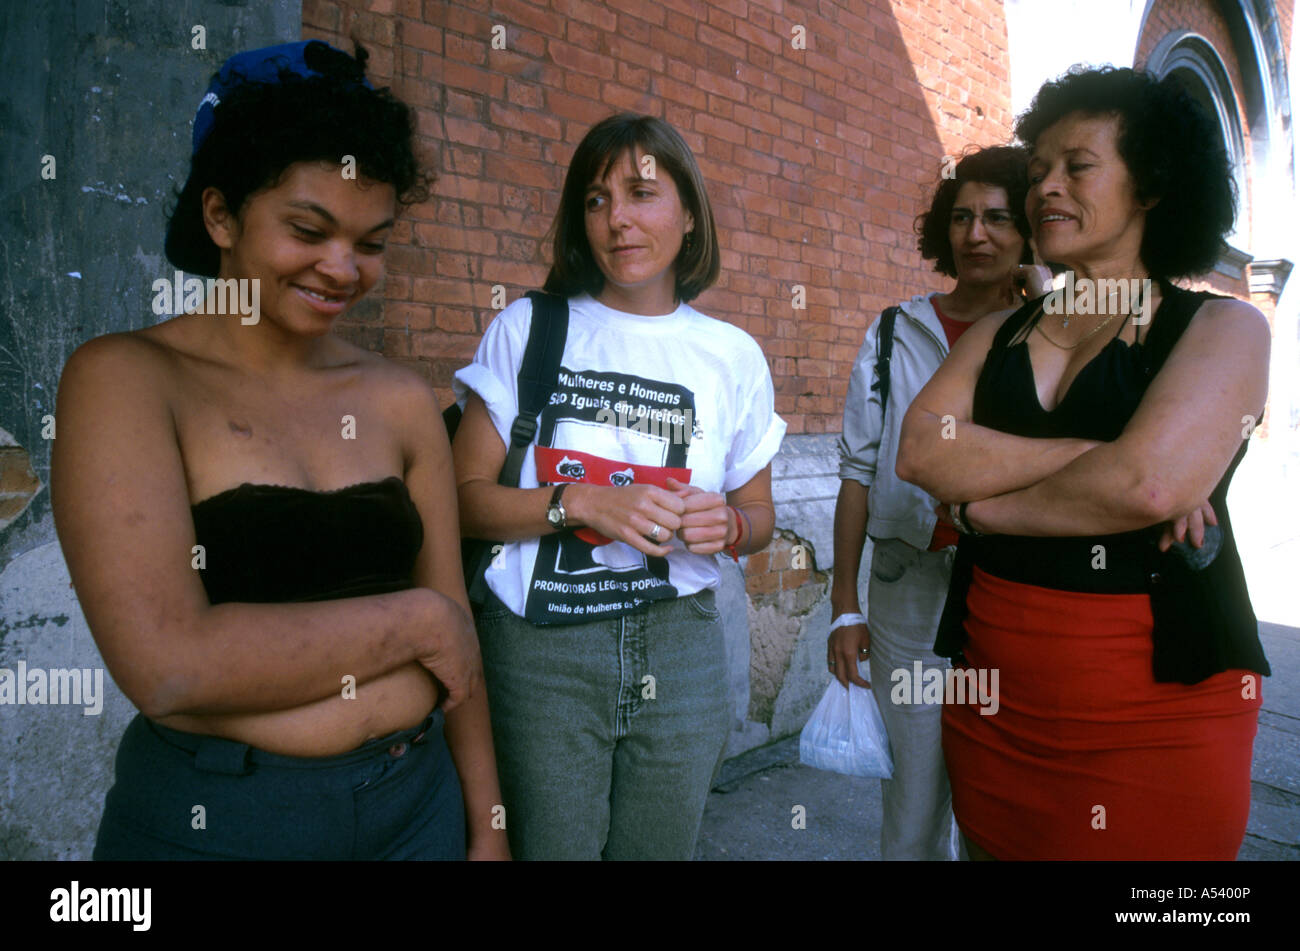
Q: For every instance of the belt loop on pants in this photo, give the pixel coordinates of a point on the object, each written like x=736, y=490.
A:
x=216, y=755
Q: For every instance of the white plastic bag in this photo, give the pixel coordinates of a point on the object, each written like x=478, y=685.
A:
x=846, y=734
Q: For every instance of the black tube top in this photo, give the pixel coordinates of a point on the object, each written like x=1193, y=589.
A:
x=275, y=543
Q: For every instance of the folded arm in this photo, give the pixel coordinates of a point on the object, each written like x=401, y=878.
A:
x=122, y=511
x=1173, y=452
x=953, y=459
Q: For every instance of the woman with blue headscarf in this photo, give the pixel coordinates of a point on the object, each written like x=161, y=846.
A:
x=260, y=518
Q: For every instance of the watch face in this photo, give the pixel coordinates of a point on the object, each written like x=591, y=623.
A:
x=553, y=515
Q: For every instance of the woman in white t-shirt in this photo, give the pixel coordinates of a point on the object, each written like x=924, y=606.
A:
x=602, y=643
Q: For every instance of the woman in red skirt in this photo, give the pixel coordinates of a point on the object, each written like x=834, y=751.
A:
x=1086, y=443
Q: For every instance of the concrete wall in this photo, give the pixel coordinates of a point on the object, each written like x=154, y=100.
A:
x=787, y=597
x=108, y=90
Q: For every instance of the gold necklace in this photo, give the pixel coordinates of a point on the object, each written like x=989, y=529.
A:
x=1038, y=325
x=1082, y=340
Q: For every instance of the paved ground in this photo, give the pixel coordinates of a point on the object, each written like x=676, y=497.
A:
x=749, y=814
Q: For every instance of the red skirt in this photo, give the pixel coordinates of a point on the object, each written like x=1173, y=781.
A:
x=1086, y=756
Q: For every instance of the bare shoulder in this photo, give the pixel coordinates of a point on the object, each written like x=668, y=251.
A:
x=1225, y=326
x=997, y=317
x=404, y=396
x=115, y=364
x=1232, y=316
x=979, y=337
x=989, y=323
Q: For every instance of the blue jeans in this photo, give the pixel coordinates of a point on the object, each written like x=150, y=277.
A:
x=607, y=733
x=397, y=797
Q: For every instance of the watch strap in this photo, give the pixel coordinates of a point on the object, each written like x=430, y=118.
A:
x=557, y=505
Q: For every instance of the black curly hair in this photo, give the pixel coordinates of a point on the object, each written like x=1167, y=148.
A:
x=1004, y=166
x=1173, y=150
x=260, y=129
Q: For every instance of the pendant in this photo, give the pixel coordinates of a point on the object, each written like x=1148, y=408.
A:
x=1065, y=321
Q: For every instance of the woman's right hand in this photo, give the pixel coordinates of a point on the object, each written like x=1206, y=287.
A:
x=844, y=647
x=451, y=653
x=628, y=513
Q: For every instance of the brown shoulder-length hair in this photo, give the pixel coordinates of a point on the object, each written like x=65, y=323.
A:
x=574, y=269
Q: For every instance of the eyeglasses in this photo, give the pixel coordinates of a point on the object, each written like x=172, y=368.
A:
x=994, y=219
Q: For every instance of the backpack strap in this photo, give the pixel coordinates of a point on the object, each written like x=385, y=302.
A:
x=884, y=350
x=538, y=374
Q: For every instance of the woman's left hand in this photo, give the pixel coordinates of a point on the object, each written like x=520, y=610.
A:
x=1191, y=527
x=1033, y=280
x=707, y=523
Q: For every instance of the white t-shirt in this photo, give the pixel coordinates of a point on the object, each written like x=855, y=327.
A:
x=638, y=399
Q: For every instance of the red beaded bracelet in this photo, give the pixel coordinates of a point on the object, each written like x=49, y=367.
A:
x=731, y=549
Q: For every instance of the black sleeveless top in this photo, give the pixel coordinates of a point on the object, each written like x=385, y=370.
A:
x=1204, y=622
x=273, y=543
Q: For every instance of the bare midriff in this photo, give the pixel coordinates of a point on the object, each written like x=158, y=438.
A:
x=394, y=701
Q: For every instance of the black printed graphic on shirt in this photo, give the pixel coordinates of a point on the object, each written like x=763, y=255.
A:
x=606, y=429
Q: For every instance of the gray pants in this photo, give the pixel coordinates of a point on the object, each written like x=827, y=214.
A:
x=607, y=733
x=904, y=601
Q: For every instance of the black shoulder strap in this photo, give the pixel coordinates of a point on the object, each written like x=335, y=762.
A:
x=538, y=374
x=884, y=350
x=1175, y=313
x=1020, y=324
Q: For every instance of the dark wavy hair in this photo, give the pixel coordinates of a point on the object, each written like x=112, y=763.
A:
x=1005, y=166
x=1173, y=150
x=260, y=129
x=574, y=269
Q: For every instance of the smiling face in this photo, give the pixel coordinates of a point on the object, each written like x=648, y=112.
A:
x=982, y=230
x=635, y=228
x=1082, y=202
x=315, y=242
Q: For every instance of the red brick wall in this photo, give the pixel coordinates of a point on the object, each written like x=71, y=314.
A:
x=816, y=160
x=1285, y=11
x=779, y=567
x=1203, y=17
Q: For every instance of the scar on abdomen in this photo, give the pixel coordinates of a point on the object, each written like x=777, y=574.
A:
x=241, y=429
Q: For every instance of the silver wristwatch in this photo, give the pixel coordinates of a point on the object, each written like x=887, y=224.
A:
x=555, y=513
